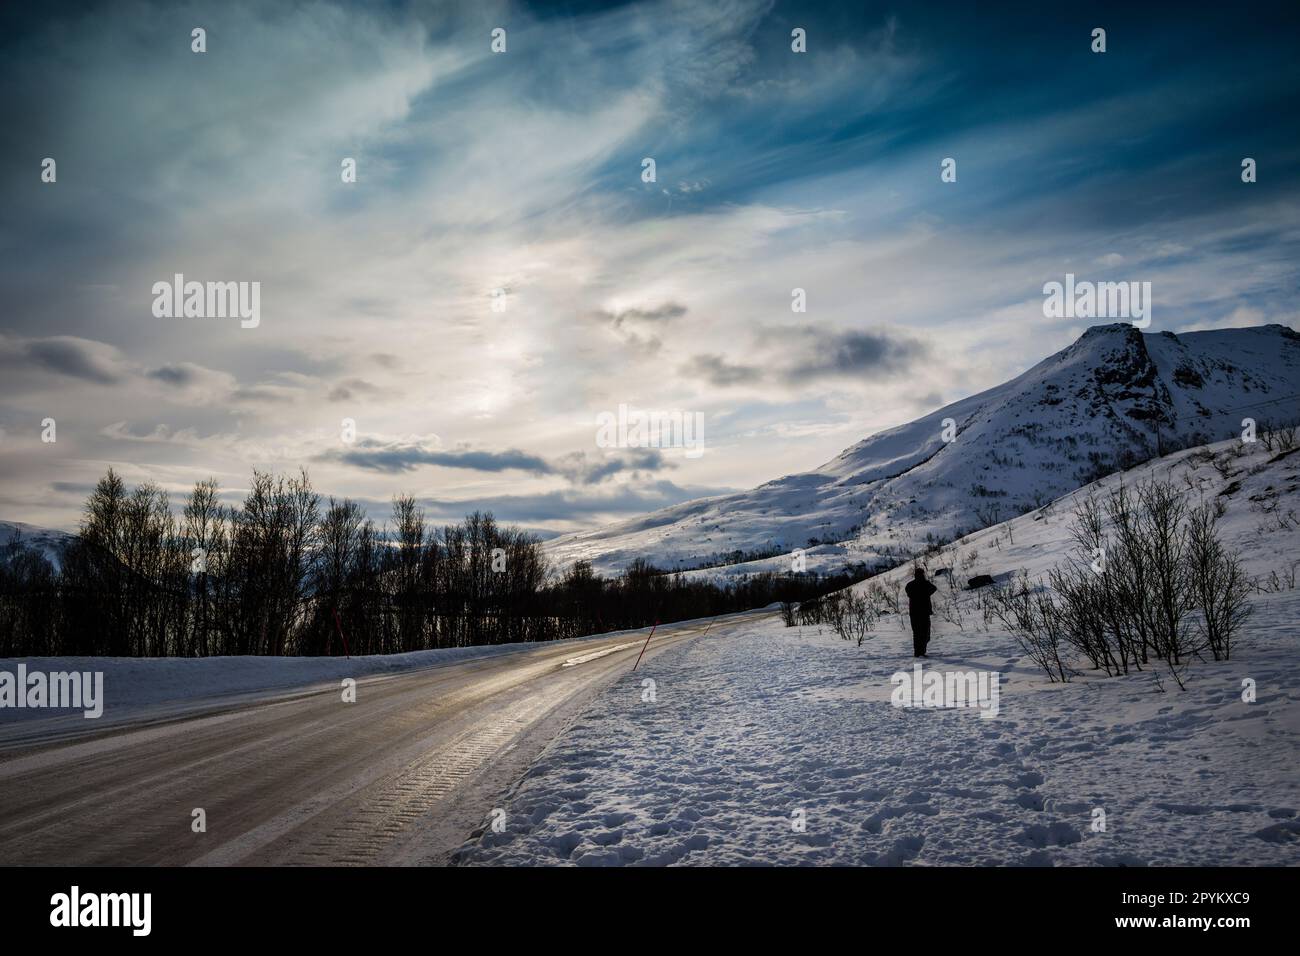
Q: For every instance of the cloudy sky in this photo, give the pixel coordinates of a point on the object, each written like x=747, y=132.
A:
x=522, y=172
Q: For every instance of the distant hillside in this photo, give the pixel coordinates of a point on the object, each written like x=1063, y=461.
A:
x=49, y=541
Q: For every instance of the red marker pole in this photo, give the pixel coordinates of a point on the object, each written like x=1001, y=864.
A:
x=644, y=646
x=339, y=624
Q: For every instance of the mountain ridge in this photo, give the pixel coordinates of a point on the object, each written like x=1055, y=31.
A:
x=1113, y=397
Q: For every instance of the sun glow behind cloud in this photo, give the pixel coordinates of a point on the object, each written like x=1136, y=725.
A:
x=521, y=172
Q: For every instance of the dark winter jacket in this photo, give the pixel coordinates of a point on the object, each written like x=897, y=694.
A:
x=918, y=597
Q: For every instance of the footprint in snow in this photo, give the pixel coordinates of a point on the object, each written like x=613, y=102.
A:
x=1286, y=831
x=904, y=849
x=1030, y=800
x=1053, y=834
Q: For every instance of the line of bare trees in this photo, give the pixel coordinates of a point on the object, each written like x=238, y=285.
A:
x=286, y=572
x=1150, y=579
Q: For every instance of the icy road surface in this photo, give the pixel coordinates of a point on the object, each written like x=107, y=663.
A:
x=401, y=776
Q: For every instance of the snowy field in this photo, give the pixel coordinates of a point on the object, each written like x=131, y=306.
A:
x=754, y=733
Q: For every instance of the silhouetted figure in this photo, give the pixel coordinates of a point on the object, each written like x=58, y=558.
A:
x=919, y=610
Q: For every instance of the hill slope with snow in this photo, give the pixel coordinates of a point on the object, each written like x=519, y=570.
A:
x=1114, y=397
x=48, y=541
x=755, y=729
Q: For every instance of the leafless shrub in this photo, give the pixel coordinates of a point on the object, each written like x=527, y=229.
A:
x=853, y=616
x=1143, y=562
x=1223, y=465
x=1219, y=585
x=946, y=604
x=811, y=611
x=883, y=600
x=1167, y=569
x=1284, y=581
x=833, y=611
x=862, y=618
x=1279, y=437
x=988, y=513
x=1032, y=619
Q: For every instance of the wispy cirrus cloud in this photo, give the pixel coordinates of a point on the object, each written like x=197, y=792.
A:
x=522, y=172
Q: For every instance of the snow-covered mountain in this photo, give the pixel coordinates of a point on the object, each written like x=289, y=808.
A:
x=1113, y=398
x=48, y=541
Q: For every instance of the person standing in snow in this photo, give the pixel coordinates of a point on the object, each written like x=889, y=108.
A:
x=919, y=610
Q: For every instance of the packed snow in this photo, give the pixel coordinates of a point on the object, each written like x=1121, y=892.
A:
x=776, y=745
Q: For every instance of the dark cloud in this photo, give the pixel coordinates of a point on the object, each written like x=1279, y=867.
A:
x=351, y=389
x=718, y=371
x=260, y=394
x=576, y=504
x=77, y=358
x=398, y=457
x=831, y=353
x=578, y=467
x=634, y=326
x=80, y=488
x=178, y=375
x=584, y=470
x=663, y=313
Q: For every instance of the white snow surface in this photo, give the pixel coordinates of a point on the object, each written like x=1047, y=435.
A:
x=750, y=726
x=1114, y=392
